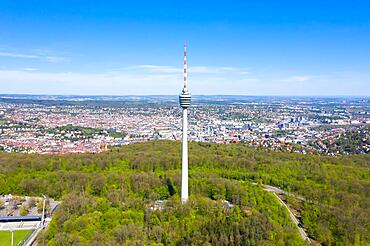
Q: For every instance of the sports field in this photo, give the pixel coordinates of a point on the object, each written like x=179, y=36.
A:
x=6, y=237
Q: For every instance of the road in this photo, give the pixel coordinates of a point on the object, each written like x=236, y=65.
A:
x=270, y=188
x=275, y=191
x=292, y=216
x=32, y=238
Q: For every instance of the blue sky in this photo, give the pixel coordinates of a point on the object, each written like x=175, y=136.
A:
x=234, y=47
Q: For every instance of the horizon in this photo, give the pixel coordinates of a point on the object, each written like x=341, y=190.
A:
x=4, y=95
x=265, y=48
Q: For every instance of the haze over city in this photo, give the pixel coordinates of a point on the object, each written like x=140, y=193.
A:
x=318, y=48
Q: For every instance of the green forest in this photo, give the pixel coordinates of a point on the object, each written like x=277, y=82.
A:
x=109, y=198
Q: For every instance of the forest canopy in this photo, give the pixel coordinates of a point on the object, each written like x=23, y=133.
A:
x=109, y=198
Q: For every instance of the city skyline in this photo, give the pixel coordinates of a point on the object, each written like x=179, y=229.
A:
x=89, y=48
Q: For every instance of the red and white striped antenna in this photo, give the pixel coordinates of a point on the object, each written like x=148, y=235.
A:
x=185, y=70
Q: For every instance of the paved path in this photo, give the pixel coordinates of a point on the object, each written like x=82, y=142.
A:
x=32, y=239
x=296, y=222
x=275, y=190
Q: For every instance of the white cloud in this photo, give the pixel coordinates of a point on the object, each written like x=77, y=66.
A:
x=57, y=59
x=39, y=56
x=248, y=80
x=153, y=79
x=30, y=69
x=138, y=79
x=298, y=78
x=214, y=70
x=157, y=68
x=18, y=55
x=38, y=82
x=244, y=72
x=191, y=69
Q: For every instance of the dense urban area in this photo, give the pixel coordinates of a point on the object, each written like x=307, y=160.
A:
x=66, y=124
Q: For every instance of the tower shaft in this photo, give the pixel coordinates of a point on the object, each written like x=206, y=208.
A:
x=185, y=99
x=184, y=170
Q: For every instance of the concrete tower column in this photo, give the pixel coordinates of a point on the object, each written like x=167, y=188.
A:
x=184, y=171
x=185, y=99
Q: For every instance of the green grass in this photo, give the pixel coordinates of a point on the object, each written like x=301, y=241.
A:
x=6, y=237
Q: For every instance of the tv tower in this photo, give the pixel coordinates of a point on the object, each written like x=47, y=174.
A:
x=185, y=99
